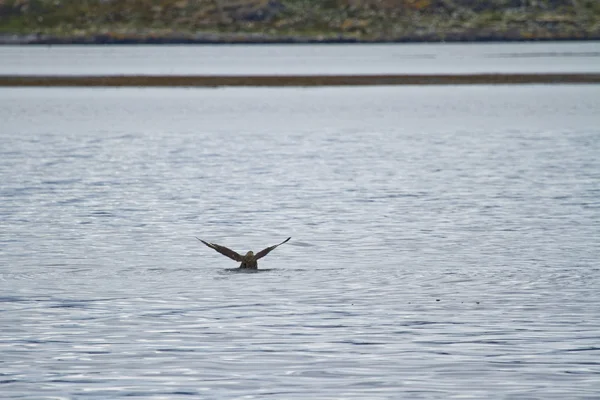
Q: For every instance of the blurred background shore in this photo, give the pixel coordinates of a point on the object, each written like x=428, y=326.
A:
x=293, y=21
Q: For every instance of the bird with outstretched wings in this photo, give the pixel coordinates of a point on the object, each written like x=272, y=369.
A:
x=249, y=260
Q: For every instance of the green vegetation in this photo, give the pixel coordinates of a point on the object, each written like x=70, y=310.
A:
x=300, y=20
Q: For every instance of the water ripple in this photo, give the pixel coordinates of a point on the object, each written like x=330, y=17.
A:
x=443, y=243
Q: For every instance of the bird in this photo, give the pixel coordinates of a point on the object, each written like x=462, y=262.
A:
x=249, y=260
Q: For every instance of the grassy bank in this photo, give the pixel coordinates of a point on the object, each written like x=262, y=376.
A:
x=180, y=21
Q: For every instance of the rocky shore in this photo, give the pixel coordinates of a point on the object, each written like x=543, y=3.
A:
x=294, y=21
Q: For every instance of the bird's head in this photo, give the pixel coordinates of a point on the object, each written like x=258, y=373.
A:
x=249, y=254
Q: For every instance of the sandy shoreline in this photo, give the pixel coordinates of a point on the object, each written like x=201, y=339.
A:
x=292, y=80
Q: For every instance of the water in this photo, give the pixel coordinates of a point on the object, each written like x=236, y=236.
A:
x=444, y=243
x=435, y=58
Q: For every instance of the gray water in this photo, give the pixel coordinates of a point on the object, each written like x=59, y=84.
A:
x=432, y=58
x=445, y=243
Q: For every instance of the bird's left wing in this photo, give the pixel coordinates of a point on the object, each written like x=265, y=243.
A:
x=223, y=250
x=266, y=251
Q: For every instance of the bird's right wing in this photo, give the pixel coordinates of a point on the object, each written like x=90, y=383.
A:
x=266, y=251
x=223, y=250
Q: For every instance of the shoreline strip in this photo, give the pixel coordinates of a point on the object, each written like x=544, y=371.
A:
x=293, y=80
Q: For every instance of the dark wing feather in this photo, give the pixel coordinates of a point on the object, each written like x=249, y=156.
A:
x=223, y=250
x=266, y=251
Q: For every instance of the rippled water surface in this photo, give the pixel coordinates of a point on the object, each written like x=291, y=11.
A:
x=445, y=243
